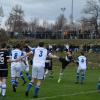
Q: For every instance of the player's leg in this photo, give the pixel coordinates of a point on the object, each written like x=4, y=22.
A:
x=34, y=75
x=22, y=77
x=29, y=86
x=23, y=66
x=37, y=88
x=3, y=86
x=50, y=70
x=82, y=76
x=27, y=73
x=77, y=75
x=61, y=72
x=99, y=85
x=46, y=69
x=0, y=85
x=15, y=74
x=40, y=76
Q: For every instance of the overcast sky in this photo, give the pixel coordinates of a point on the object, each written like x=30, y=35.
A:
x=44, y=9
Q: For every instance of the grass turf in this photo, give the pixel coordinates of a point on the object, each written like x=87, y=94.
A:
x=66, y=90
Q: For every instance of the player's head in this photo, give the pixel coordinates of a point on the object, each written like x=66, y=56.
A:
x=82, y=53
x=3, y=45
x=41, y=44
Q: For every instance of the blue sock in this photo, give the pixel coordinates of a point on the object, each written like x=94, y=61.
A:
x=82, y=79
x=99, y=85
x=13, y=81
x=29, y=87
x=16, y=83
x=22, y=77
x=36, y=90
x=28, y=75
x=77, y=77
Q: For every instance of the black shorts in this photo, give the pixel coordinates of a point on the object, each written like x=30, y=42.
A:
x=64, y=63
x=48, y=66
x=3, y=73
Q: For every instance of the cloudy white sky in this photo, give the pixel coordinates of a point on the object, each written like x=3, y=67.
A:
x=44, y=9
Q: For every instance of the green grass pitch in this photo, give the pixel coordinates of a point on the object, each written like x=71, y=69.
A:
x=67, y=89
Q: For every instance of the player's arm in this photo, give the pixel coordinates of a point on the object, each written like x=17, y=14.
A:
x=53, y=56
x=27, y=55
x=29, y=47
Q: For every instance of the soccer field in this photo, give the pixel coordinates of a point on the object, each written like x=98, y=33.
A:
x=66, y=90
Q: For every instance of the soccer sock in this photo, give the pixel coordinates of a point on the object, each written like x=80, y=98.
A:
x=77, y=77
x=29, y=86
x=46, y=72
x=0, y=87
x=36, y=90
x=82, y=78
x=60, y=75
x=28, y=75
x=3, y=89
x=13, y=82
x=99, y=85
x=22, y=77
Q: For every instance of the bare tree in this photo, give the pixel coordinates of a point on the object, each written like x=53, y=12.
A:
x=60, y=24
x=92, y=15
x=16, y=20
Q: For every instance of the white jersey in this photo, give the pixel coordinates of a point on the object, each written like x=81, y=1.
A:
x=82, y=62
x=15, y=54
x=39, y=58
x=16, y=66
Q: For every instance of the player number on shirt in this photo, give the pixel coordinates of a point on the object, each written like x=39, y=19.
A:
x=82, y=60
x=15, y=56
x=1, y=58
x=41, y=54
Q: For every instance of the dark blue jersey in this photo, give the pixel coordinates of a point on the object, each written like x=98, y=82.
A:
x=3, y=59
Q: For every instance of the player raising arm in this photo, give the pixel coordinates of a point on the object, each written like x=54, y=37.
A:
x=40, y=53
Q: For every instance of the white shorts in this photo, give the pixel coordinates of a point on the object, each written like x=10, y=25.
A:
x=15, y=70
x=83, y=70
x=24, y=67
x=38, y=72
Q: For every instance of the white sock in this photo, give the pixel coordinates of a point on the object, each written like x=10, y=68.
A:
x=3, y=89
x=46, y=72
x=60, y=75
x=0, y=87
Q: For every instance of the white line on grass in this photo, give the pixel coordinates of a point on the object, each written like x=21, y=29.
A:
x=73, y=94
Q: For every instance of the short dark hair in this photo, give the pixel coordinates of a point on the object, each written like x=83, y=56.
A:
x=82, y=53
x=41, y=44
x=3, y=45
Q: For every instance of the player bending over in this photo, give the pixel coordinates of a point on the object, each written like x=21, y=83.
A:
x=82, y=65
x=65, y=62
